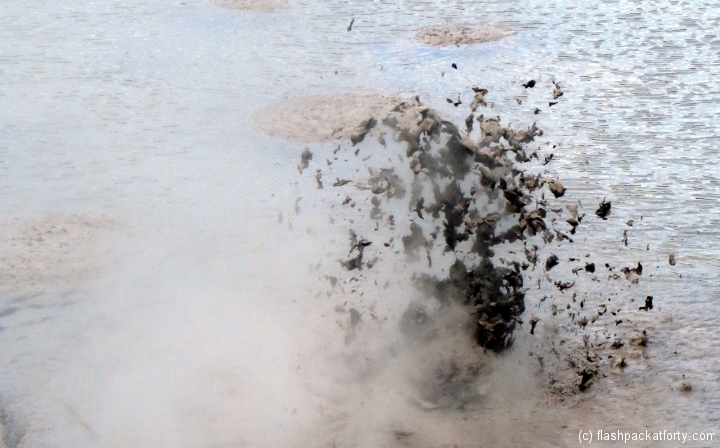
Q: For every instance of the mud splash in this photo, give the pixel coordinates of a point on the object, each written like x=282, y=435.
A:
x=480, y=212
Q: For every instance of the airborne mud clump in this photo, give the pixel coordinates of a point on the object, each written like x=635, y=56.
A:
x=462, y=34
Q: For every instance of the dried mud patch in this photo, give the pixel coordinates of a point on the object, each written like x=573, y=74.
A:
x=252, y=5
x=462, y=34
x=322, y=118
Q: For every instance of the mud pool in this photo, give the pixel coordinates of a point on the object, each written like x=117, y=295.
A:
x=162, y=285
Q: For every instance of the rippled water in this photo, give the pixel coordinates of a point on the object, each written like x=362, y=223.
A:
x=144, y=110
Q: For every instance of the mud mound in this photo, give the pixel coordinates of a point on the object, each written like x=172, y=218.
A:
x=52, y=248
x=252, y=5
x=462, y=34
x=322, y=118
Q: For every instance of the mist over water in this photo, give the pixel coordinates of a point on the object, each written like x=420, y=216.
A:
x=152, y=296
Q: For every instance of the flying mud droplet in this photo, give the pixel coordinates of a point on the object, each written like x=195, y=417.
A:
x=551, y=262
x=556, y=188
x=478, y=100
x=305, y=159
x=648, y=304
x=603, y=210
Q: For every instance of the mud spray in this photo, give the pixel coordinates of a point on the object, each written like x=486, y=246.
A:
x=447, y=227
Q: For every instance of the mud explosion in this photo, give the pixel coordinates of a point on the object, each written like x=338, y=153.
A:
x=469, y=193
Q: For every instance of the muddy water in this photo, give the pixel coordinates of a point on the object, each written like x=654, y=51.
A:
x=164, y=306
